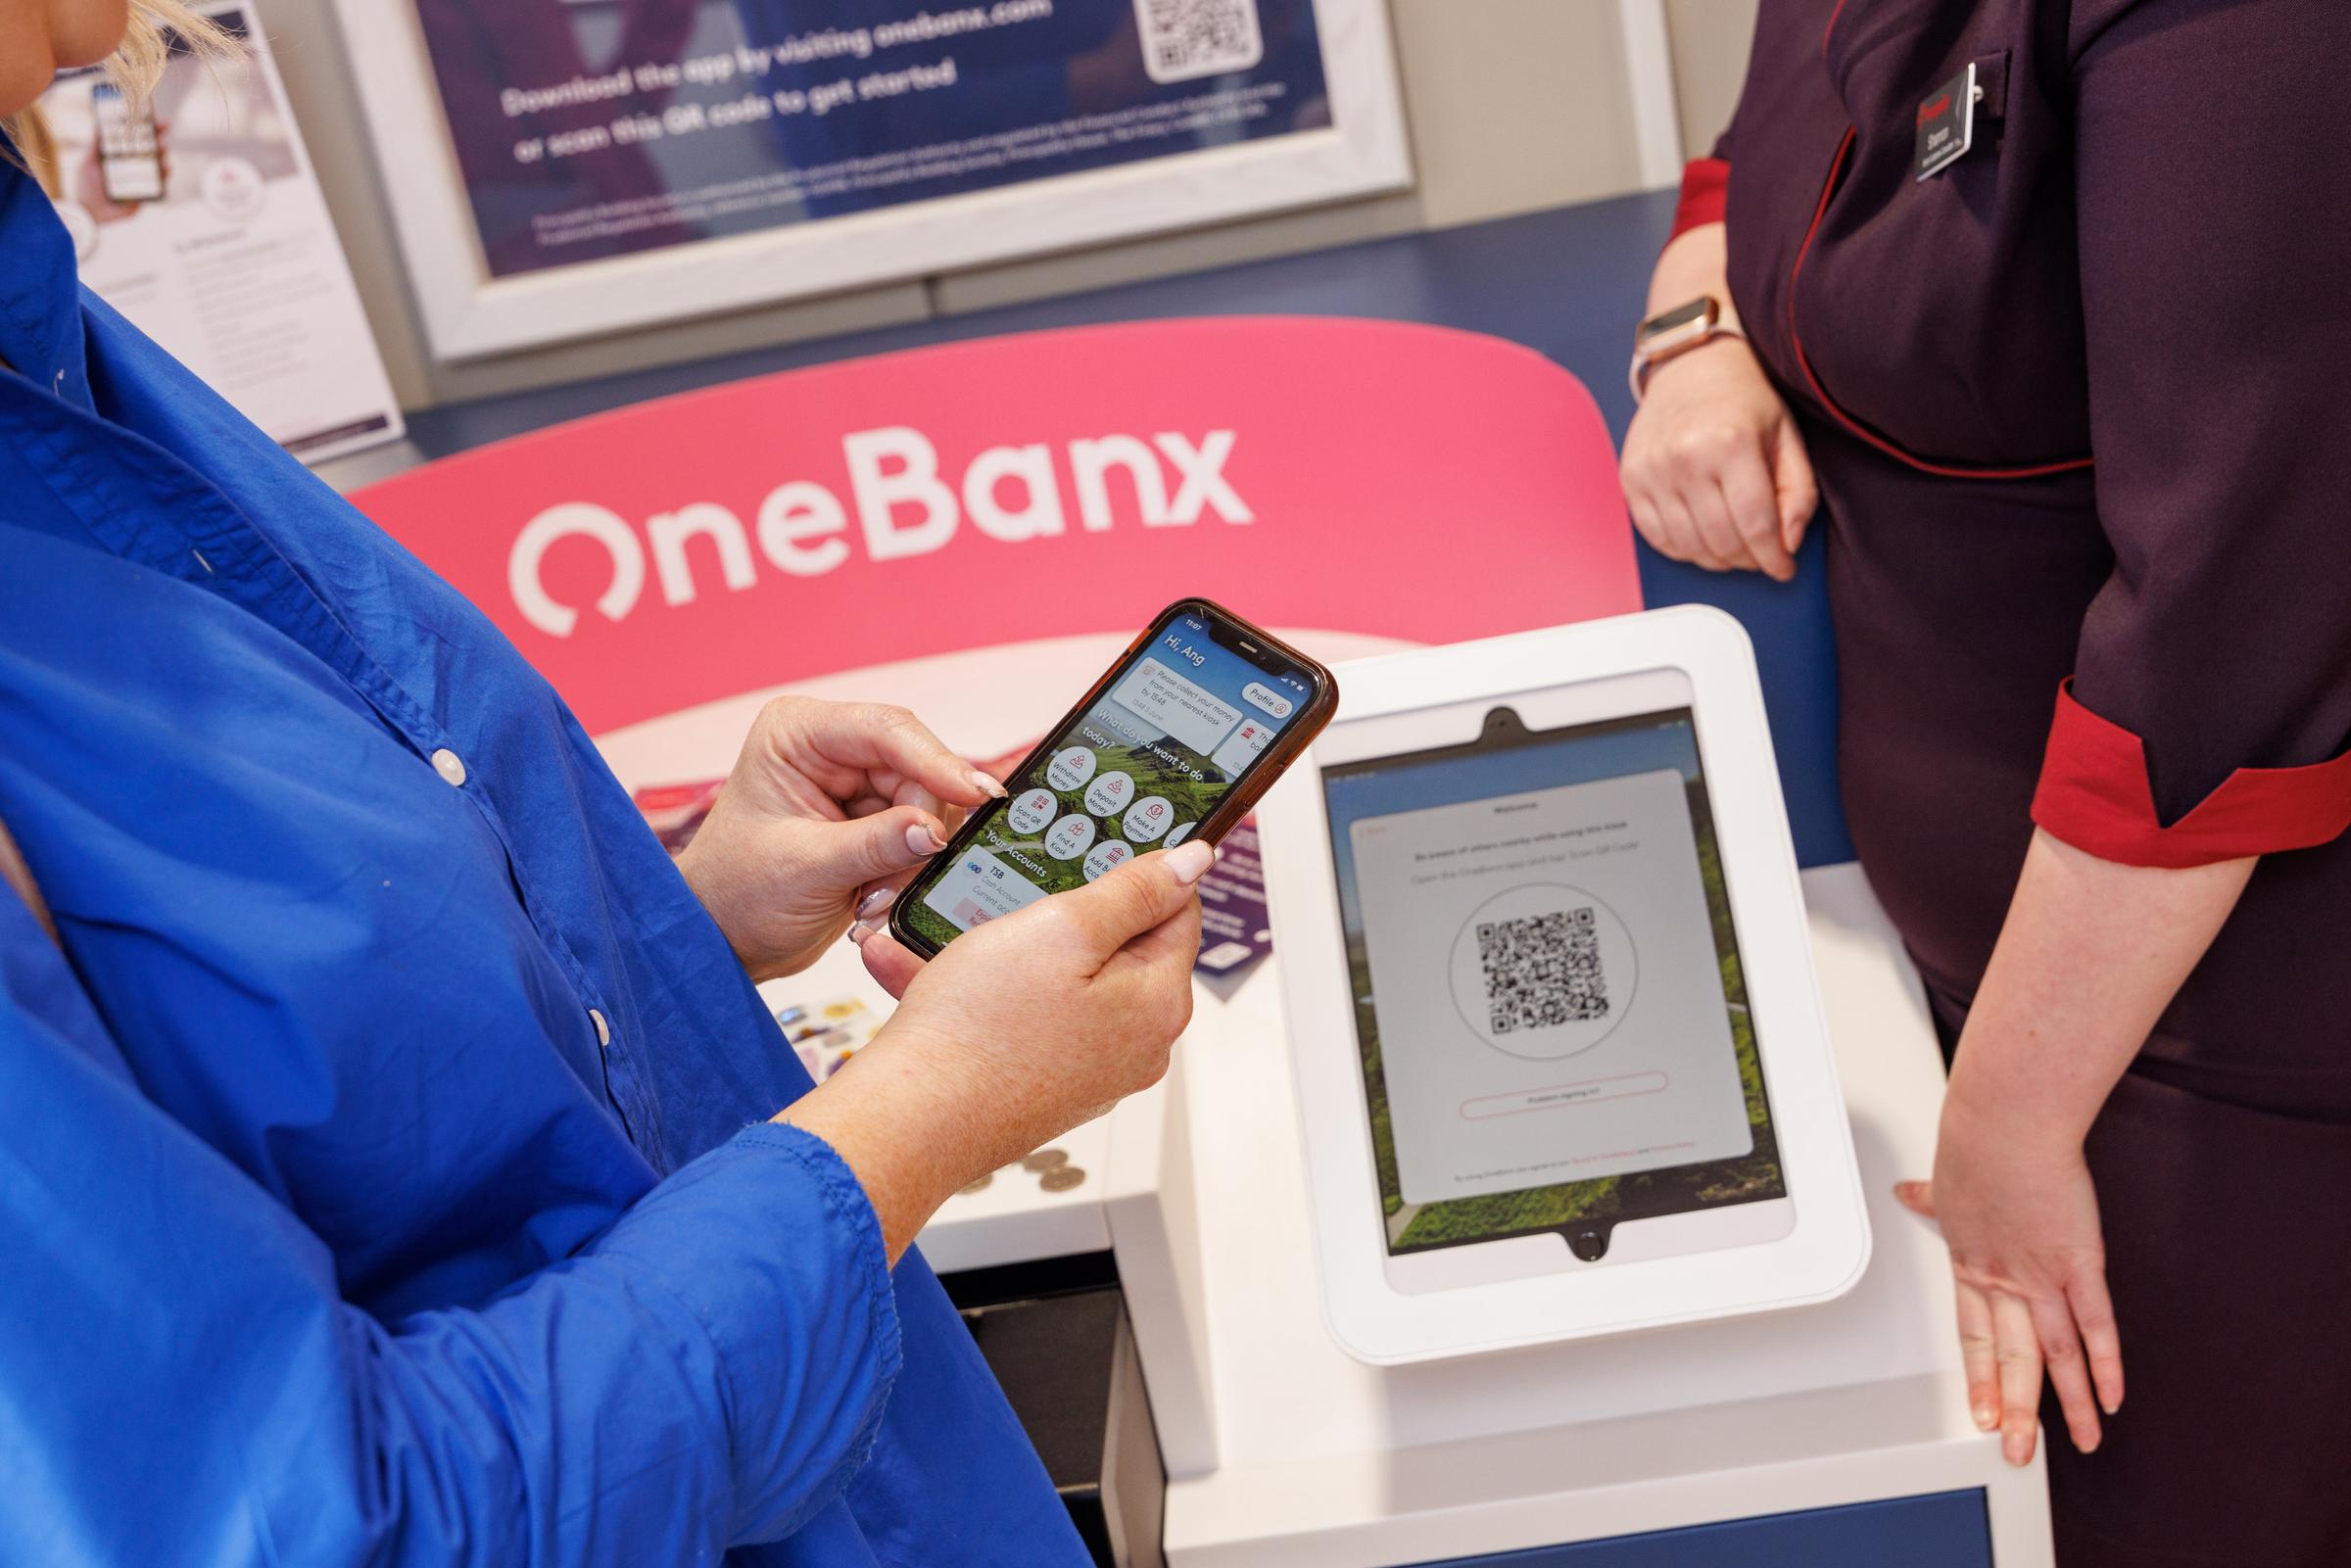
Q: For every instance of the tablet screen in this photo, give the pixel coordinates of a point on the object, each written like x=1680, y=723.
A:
x=1552, y=1020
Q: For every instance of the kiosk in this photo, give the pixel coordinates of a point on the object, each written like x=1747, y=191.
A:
x=1827, y=1433
x=1561, y=1063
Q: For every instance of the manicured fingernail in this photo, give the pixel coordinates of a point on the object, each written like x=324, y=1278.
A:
x=1190, y=860
x=874, y=902
x=2017, y=1447
x=860, y=934
x=2110, y=1406
x=2085, y=1442
x=985, y=784
x=1986, y=1417
x=924, y=839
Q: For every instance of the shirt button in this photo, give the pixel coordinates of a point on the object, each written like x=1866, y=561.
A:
x=449, y=765
x=604, y=1030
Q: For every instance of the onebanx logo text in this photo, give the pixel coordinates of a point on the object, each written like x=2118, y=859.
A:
x=904, y=507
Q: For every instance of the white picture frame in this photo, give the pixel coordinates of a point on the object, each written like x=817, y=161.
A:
x=1501, y=1304
x=469, y=315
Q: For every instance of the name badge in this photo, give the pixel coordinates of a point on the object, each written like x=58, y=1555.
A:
x=1947, y=123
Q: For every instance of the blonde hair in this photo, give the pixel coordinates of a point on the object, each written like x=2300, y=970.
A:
x=146, y=48
x=136, y=65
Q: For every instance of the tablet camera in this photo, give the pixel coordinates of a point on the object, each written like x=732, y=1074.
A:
x=1588, y=1243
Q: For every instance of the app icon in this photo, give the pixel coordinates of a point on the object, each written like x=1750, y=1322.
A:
x=1071, y=768
x=1148, y=817
x=1067, y=838
x=1183, y=830
x=1110, y=792
x=1030, y=811
x=1105, y=856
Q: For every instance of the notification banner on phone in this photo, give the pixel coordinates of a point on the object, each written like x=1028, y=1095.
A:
x=1403, y=481
x=1169, y=704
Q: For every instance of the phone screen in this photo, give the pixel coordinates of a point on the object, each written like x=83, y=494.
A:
x=1180, y=723
x=128, y=153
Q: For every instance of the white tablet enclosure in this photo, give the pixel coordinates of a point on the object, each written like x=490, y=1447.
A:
x=1527, y=1086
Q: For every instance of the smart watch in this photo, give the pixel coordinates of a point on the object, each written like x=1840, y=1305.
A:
x=1678, y=331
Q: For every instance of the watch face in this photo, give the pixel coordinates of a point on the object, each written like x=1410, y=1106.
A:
x=1699, y=312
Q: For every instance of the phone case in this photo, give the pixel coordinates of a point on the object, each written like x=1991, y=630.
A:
x=1285, y=748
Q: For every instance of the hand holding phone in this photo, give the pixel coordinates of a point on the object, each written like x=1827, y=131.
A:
x=1042, y=1021
x=1176, y=739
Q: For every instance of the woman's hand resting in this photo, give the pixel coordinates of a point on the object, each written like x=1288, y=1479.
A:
x=2091, y=953
x=2021, y=1217
x=1015, y=1034
x=828, y=804
x=1713, y=470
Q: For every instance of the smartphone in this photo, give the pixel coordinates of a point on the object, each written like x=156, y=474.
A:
x=1177, y=740
x=130, y=163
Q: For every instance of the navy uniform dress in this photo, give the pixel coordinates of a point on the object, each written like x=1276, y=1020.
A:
x=2077, y=409
x=384, y=1172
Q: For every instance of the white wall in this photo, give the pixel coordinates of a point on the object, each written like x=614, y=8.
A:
x=1709, y=59
x=1513, y=104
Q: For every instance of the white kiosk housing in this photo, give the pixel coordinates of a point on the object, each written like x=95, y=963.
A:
x=1829, y=1434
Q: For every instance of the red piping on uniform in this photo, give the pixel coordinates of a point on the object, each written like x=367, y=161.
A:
x=2094, y=793
x=1851, y=425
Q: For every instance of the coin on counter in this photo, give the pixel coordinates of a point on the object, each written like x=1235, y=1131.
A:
x=976, y=1185
x=1061, y=1178
x=1045, y=1159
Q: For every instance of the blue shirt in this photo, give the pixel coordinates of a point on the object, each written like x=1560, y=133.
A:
x=375, y=1183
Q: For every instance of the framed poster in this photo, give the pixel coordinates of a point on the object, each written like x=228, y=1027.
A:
x=196, y=213
x=563, y=167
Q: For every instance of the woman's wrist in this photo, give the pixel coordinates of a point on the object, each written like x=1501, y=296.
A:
x=901, y=1129
x=717, y=890
x=1717, y=347
x=1696, y=263
x=1982, y=1107
x=2090, y=954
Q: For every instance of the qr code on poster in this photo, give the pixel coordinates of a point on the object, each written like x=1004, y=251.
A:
x=1187, y=38
x=1543, y=970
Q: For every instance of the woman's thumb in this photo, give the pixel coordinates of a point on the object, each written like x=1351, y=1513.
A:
x=1136, y=896
x=868, y=849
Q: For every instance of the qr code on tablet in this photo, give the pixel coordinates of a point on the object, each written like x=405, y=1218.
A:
x=1543, y=970
x=1187, y=38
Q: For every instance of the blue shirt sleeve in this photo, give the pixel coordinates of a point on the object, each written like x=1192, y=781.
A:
x=181, y=1381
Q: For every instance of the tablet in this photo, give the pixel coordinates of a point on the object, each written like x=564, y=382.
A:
x=1561, y=1061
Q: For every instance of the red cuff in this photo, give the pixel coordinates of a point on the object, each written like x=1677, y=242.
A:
x=2095, y=794
x=1705, y=187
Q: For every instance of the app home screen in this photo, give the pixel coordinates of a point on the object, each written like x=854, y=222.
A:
x=1138, y=770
